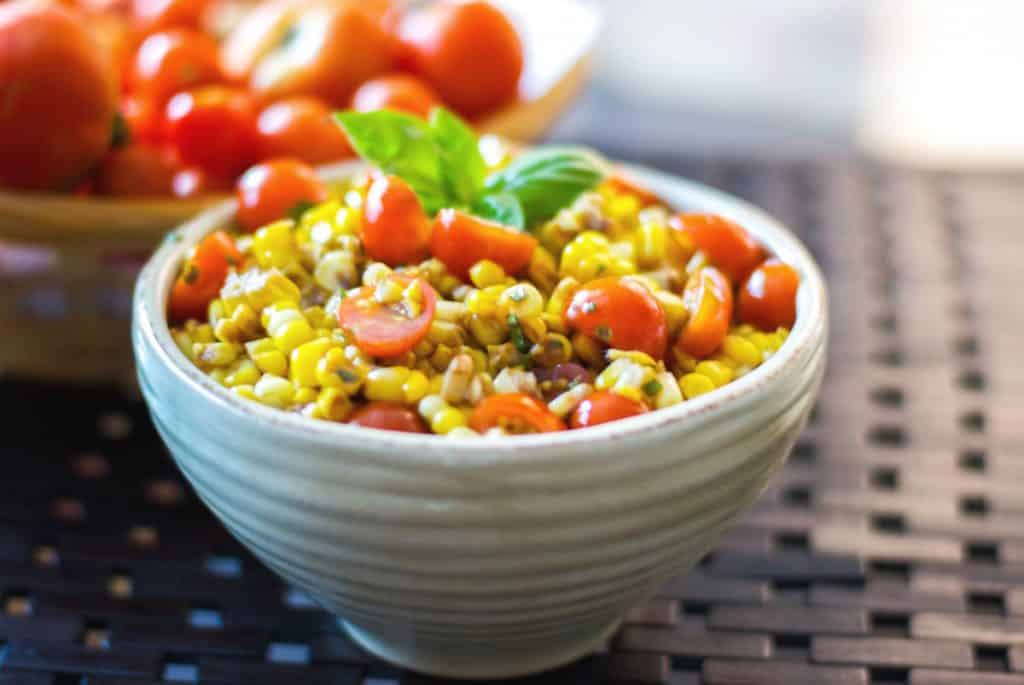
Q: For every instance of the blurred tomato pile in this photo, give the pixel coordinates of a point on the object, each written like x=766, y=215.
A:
x=179, y=97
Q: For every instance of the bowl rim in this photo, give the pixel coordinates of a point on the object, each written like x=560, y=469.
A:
x=150, y=329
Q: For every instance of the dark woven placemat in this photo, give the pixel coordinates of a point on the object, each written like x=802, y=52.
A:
x=890, y=550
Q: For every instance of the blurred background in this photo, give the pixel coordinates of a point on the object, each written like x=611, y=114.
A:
x=914, y=81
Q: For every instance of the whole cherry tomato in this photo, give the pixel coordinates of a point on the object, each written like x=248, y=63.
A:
x=461, y=240
x=604, y=406
x=58, y=97
x=144, y=119
x=389, y=416
x=708, y=299
x=137, y=169
x=203, y=276
x=159, y=15
x=768, y=298
x=323, y=49
x=727, y=245
x=193, y=182
x=621, y=313
x=469, y=51
x=396, y=91
x=213, y=127
x=271, y=190
x=387, y=330
x=302, y=128
x=514, y=413
x=395, y=229
x=169, y=62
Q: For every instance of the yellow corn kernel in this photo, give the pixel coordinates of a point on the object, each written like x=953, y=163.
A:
x=668, y=392
x=412, y=299
x=333, y=405
x=485, y=300
x=375, y=273
x=445, y=333
x=450, y=312
x=479, y=358
x=274, y=390
x=610, y=376
x=650, y=244
x=259, y=289
x=561, y=295
x=416, y=386
x=486, y=273
x=442, y=357
x=676, y=313
x=521, y=299
x=683, y=362
x=203, y=333
x=695, y=384
x=385, y=384
x=273, y=246
x=457, y=378
x=335, y=270
x=242, y=372
x=742, y=351
x=534, y=328
x=634, y=356
x=304, y=396
x=487, y=331
x=447, y=420
x=387, y=291
x=215, y=353
x=718, y=373
x=216, y=311
x=303, y=362
x=218, y=375
x=335, y=370
x=554, y=349
x=588, y=349
x=542, y=270
x=245, y=391
x=628, y=391
x=184, y=342
x=430, y=406
x=563, y=404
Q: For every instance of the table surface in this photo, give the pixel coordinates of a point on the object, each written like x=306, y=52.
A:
x=890, y=550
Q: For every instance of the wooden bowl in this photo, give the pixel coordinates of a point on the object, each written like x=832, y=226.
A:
x=69, y=263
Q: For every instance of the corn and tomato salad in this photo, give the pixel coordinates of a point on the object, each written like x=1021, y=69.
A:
x=360, y=307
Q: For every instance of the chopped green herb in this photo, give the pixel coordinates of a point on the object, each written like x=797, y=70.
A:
x=347, y=376
x=120, y=134
x=515, y=333
x=191, y=273
x=296, y=212
x=652, y=388
x=603, y=333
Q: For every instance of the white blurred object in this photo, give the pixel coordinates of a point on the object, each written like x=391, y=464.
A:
x=942, y=84
x=792, y=60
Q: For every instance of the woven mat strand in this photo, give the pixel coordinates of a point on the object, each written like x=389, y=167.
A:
x=889, y=551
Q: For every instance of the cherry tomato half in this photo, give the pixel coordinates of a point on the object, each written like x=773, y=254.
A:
x=708, y=299
x=271, y=190
x=395, y=228
x=727, y=245
x=213, y=127
x=768, y=298
x=396, y=91
x=169, y=62
x=621, y=313
x=461, y=240
x=515, y=413
x=144, y=118
x=604, y=406
x=137, y=169
x=302, y=128
x=389, y=416
x=469, y=51
x=384, y=330
x=621, y=184
x=202, y=276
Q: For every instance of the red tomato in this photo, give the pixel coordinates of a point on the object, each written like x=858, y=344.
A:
x=726, y=244
x=461, y=240
x=708, y=298
x=396, y=91
x=137, y=169
x=302, y=128
x=202, y=276
x=389, y=416
x=270, y=190
x=469, y=51
x=768, y=298
x=386, y=330
x=172, y=61
x=604, y=406
x=144, y=119
x=622, y=184
x=215, y=128
x=516, y=413
x=395, y=229
x=194, y=182
x=58, y=97
x=621, y=313
x=159, y=15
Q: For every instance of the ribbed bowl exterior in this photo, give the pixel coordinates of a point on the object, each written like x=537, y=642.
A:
x=481, y=558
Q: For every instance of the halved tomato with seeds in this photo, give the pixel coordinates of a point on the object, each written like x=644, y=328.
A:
x=515, y=413
x=202, y=276
x=389, y=328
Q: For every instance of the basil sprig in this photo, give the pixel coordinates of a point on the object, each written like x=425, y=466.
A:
x=441, y=162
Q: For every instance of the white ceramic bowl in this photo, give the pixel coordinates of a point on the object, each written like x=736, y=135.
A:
x=484, y=557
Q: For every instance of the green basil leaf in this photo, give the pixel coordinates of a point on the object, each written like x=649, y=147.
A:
x=503, y=208
x=462, y=166
x=399, y=144
x=546, y=179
